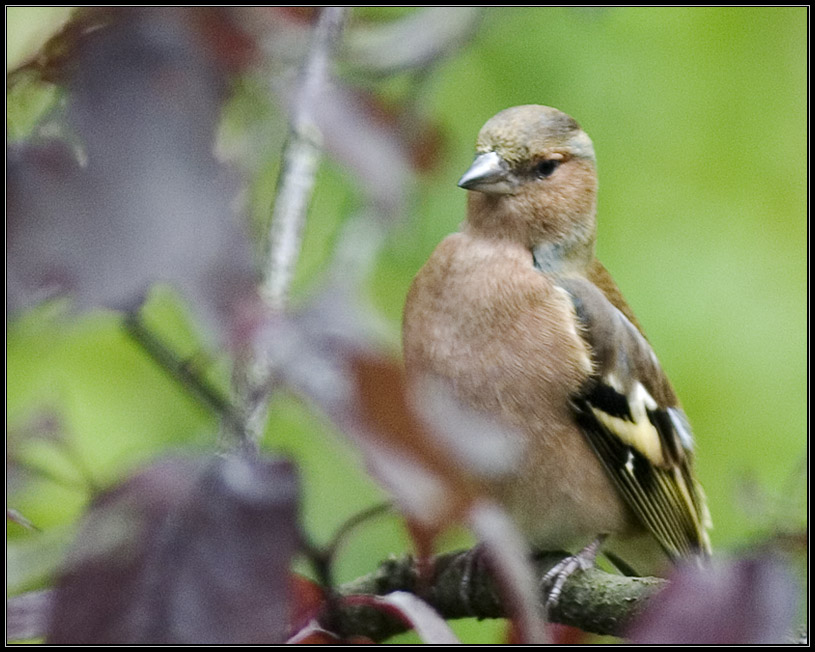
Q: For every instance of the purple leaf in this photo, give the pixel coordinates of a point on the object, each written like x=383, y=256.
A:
x=749, y=601
x=325, y=353
x=143, y=200
x=27, y=615
x=185, y=552
x=416, y=40
x=414, y=443
x=374, y=151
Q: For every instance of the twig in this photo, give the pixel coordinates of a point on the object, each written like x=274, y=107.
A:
x=352, y=523
x=301, y=159
x=179, y=370
x=252, y=382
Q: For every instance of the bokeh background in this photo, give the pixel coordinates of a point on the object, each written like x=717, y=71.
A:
x=699, y=118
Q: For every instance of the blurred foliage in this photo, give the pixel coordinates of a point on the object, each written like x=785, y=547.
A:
x=27, y=30
x=699, y=119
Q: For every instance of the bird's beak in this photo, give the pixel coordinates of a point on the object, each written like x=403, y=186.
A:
x=490, y=174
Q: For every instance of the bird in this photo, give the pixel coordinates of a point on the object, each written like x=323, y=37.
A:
x=519, y=319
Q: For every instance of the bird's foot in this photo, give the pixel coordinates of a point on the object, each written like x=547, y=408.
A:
x=552, y=583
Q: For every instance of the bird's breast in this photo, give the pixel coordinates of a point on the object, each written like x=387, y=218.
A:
x=503, y=336
x=480, y=315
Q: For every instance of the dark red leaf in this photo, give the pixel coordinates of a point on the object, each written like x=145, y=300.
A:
x=566, y=635
x=558, y=634
x=425, y=447
x=222, y=32
x=305, y=15
x=186, y=552
x=325, y=353
x=307, y=600
x=218, y=28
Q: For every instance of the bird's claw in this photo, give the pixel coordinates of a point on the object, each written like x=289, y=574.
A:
x=552, y=583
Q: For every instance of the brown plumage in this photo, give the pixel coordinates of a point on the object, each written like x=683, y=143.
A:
x=517, y=315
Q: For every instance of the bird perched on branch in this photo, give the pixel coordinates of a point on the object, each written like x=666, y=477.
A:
x=521, y=320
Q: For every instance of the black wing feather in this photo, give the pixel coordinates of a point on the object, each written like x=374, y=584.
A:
x=630, y=416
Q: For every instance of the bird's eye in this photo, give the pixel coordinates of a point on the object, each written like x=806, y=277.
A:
x=546, y=167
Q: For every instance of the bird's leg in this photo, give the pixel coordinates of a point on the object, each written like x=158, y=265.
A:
x=552, y=583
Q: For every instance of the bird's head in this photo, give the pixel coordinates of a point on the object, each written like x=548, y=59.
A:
x=534, y=181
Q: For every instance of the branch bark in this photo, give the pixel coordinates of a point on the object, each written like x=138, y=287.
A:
x=593, y=600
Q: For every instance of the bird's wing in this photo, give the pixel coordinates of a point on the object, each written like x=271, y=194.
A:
x=632, y=419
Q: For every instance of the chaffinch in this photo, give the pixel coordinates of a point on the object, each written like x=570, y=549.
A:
x=517, y=315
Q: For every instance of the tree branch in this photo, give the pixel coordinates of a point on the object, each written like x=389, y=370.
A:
x=593, y=600
x=300, y=161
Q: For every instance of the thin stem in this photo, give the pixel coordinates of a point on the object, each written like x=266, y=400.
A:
x=179, y=370
x=301, y=160
x=352, y=523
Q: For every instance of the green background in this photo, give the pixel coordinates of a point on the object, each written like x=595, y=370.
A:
x=699, y=120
